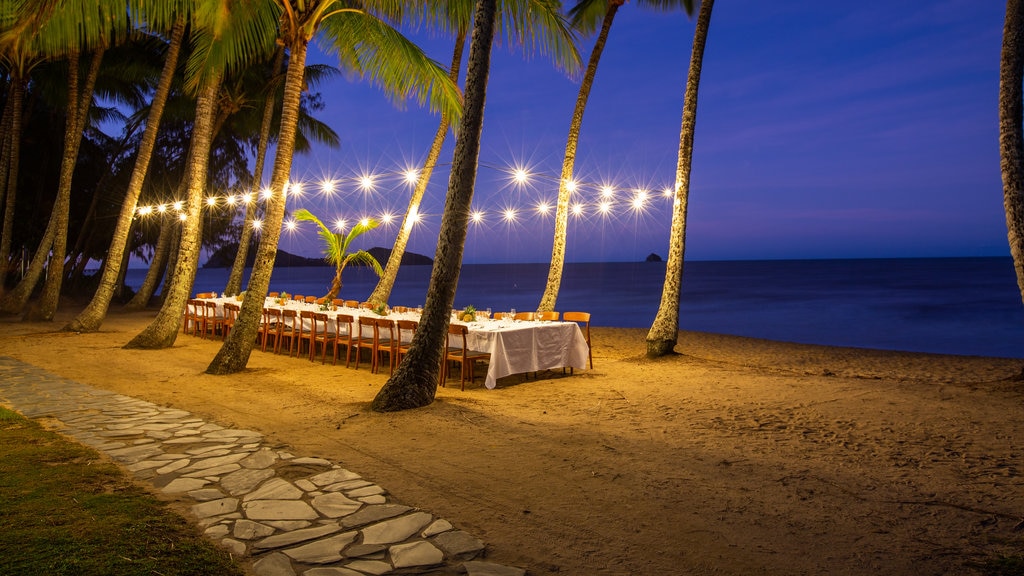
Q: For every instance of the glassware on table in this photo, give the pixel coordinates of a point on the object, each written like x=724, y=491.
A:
x=488, y=313
x=511, y=313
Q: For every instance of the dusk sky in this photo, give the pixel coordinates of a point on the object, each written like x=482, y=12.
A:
x=824, y=130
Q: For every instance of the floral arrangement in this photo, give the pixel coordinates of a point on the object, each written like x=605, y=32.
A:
x=283, y=298
x=468, y=314
x=381, y=309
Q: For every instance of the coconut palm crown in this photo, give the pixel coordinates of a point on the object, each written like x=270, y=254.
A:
x=336, y=247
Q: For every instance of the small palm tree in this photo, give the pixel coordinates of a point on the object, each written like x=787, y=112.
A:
x=336, y=247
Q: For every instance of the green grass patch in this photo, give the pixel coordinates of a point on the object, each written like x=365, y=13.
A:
x=65, y=511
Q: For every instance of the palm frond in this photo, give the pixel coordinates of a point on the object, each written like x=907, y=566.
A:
x=364, y=257
x=391, y=61
x=539, y=26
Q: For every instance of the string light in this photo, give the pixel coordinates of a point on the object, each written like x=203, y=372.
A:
x=603, y=203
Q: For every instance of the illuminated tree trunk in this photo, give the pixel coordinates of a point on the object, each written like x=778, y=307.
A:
x=90, y=319
x=547, y=301
x=162, y=332
x=664, y=333
x=387, y=281
x=16, y=102
x=234, y=285
x=1011, y=134
x=234, y=353
x=414, y=382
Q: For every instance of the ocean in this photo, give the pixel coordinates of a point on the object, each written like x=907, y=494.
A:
x=968, y=306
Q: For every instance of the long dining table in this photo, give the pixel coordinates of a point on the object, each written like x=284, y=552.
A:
x=515, y=346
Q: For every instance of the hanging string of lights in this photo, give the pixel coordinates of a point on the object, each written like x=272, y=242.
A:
x=607, y=198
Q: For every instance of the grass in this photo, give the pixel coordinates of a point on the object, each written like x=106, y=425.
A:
x=65, y=511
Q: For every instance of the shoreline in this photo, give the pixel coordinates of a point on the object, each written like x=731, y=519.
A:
x=738, y=455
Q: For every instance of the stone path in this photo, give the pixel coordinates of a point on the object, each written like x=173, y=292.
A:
x=290, y=515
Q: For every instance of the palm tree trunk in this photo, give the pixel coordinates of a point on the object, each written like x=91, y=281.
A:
x=14, y=301
x=387, y=280
x=162, y=332
x=550, y=297
x=234, y=353
x=90, y=319
x=16, y=100
x=47, y=306
x=1011, y=134
x=234, y=285
x=414, y=383
x=664, y=333
x=5, y=165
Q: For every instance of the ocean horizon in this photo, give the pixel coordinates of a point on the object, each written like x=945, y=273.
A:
x=964, y=305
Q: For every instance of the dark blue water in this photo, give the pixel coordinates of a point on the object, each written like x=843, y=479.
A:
x=944, y=305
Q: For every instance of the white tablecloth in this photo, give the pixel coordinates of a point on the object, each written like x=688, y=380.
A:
x=518, y=347
x=515, y=346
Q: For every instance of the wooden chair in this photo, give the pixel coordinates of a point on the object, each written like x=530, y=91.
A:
x=343, y=336
x=290, y=327
x=311, y=300
x=502, y=315
x=213, y=324
x=338, y=302
x=404, y=331
x=304, y=334
x=202, y=295
x=583, y=319
x=460, y=353
x=399, y=309
x=367, y=305
x=386, y=343
x=231, y=311
x=273, y=294
x=365, y=337
x=551, y=316
x=271, y=327
x=352, y=303
x=524, y=316
x=322, y=335
x=194, y=310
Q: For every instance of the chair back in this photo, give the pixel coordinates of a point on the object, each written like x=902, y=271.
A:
x=458, y=330
x=405, y=330
x=366, y=305
x=524, y=316
x=550, y=316
x=344, y=322
x=352, y=303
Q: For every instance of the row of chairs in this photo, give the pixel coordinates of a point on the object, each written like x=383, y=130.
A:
x=380, y=336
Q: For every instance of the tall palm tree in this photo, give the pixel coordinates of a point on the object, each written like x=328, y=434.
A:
x=414, y=383
x=585, y=16
x=1011, y=133
x=234, y=285
x=530, y=22
x=363, y=42
x=90, y=319
x=336, y=247
x=664, y=332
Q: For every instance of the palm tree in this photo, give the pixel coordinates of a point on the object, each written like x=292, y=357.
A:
x=585, y=16
x=90, y=319
x=336, y=247
x=1011, y=134
x=414, y=383
x=363, y=42
x=523, y=21
x=664, y=333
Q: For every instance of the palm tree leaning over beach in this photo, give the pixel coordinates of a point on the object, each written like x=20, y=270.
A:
x=160, y=15
x=336, y=247
x=1011, y=132
x=585, y=16
x=414, y=382
x=364, y=42
x=529, y=22
x=664, y=333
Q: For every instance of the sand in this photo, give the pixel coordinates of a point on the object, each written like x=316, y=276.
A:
x=737, y=456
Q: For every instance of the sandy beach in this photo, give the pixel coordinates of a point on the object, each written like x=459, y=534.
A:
x=737, y=456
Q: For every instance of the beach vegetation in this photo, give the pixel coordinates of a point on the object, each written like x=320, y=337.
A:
x=68, y=511
x=336, y=246
x=366, y=44
x=585, y=17
x=546, y=29
x=664, y=332
x=414, y=382
x=1011, y=132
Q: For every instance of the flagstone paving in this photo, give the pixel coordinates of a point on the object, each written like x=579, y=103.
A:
x=290, y=515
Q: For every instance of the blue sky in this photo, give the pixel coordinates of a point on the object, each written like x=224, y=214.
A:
x=824, y=130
